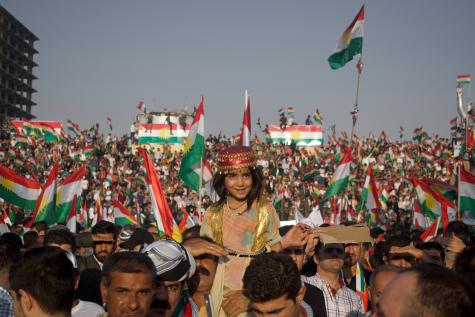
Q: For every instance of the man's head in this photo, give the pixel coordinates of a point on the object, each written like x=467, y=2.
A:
x=435, y=251
x=426, y=290
x=40, y=227
x=379, y=279
x=104, y=234
x=402, y=260
x=30, y=239
x=61, y=238
x=296, y=253
x=206, y=265
x=352, y=253
x=8, y=250
x=42, y=283
x=127, y=284
x=329, y=257
x=273, y=286
x=174, y=265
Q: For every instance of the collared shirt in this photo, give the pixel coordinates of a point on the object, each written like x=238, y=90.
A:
x=6, y=303
x=344, y=303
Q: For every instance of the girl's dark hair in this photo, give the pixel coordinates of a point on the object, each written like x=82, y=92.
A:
x=256, y=189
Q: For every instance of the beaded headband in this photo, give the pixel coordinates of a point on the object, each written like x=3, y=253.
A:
x=235, y=158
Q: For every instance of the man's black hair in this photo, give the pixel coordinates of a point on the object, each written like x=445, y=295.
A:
x=127, y=262
x=40, y=226
x=270, y=276
x=459, y=229
x=8, y=251
x=433, y=245
x=397, y=241
x=60, y=236
x=105, y=227
x=47, y=275
x=30, y=238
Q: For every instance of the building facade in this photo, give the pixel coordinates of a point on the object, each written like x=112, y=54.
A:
x=16, y=68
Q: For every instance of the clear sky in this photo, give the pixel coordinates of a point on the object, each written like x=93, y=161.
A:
x=99, y=58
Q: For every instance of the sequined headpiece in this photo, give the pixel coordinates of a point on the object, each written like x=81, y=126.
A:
x=235, y=158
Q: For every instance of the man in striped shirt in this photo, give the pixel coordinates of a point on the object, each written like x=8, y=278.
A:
x=340, y=301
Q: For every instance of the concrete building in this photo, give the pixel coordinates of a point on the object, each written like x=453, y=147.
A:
x=16, y=68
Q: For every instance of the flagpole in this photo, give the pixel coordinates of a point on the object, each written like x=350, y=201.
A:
x=201, y=185
x=458, y=191
x=359, y=67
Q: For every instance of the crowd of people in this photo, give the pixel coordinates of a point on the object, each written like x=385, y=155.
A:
x=238, y=260
x=296, y=177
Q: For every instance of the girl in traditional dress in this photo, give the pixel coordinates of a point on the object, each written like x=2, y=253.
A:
x=242, y=221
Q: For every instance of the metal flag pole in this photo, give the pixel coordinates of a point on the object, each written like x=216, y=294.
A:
x=359, y=67
x=458, y=191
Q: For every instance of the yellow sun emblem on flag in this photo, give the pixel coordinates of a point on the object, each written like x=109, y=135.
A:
x=187, y=145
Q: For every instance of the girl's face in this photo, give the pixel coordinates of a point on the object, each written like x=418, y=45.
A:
x=238, y=184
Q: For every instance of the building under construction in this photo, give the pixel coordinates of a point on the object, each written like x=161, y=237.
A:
x=16, y=68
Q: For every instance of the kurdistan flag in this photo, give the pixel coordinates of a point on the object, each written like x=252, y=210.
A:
x=17, y=190
x=433, y=204
x=45, y=209
x=340, y=177
x=67, y=189
x=122, y=216
x=194, y=150
x=369, y=195
x=161, y=210
x=467, y=196
x=350, y=43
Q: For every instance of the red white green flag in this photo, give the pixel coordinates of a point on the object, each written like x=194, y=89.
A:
x=369, y=195
x=431, y=232
x=433, y=204
x=18, y=190
x=121, y=215
x=340, y=177
x=69, y=189
x=194, y=150
x=246, y=121
x=72, y=216
x=467, y=196
x=45, y=205
x=161, y=210
x=350, y=43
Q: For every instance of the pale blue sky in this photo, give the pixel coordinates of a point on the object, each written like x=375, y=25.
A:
x=99, y=58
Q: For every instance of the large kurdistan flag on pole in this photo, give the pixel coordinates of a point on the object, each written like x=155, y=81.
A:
x=350, y=43
x=194, y=150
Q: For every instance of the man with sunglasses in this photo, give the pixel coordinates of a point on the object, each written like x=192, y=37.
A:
x=339, y=299
x=313, y=295
x=104, y=235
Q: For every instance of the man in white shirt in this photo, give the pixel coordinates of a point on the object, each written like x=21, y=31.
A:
x=339, y=299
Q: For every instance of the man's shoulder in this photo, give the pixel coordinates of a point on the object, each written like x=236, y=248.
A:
x=87, y=262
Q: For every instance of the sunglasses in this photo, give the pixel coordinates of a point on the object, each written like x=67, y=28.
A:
x=294, y=251
x=100, y=242
x=331, y=250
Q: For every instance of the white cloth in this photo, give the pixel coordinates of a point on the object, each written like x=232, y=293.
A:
x=86, y=309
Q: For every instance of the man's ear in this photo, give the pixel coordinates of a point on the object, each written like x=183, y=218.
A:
x=104, y=291
x=26, y=301
x=315, y=258
x=385, y=259
x=300, y=294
